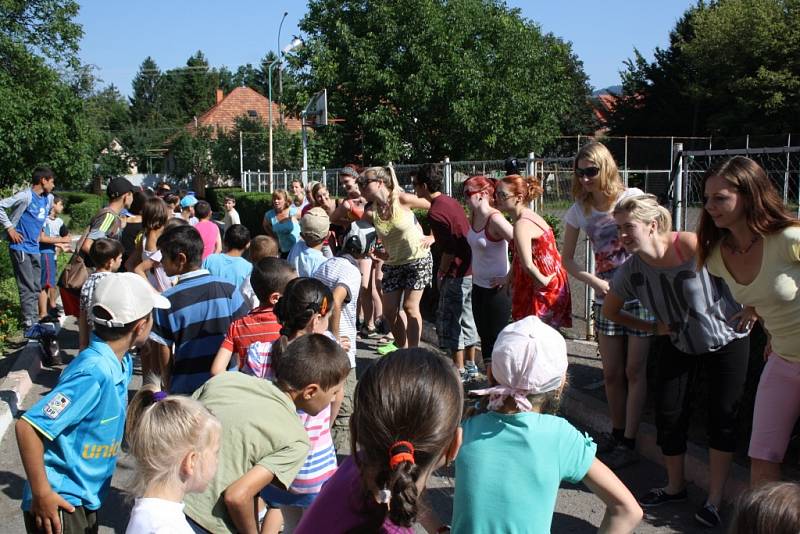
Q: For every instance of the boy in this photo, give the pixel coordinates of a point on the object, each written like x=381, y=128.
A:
x=106, y=254
x=306, y=255
x=108, y=221
x=261, y=246
x=187, y=204
x=230, y=265
x=342, y=275
x=209, y=231
x=70, y=439
x=50, y=242
x=263, y=440
x=203, y=307
x=269, y=279
x=231, y=215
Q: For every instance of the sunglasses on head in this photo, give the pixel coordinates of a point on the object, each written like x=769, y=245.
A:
x=588, y=172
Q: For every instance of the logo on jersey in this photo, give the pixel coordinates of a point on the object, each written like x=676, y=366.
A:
x=56, y=405
x=93, y=452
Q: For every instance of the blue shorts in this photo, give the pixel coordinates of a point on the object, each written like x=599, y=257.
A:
x=48, y=270
x=275, y=497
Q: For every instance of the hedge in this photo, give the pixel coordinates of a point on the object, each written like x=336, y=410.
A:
x=80, y=207
x=251, y=206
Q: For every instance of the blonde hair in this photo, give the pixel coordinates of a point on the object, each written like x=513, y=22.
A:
x=387, y=177
x=645, y=208
x=162, y=431
x=282, y=193
x=610, y=182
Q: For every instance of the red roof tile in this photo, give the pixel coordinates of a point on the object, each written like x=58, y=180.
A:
x=241, y=101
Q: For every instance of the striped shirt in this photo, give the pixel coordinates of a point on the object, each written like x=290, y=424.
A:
x=203, y=307
x=342, y=271
x=260, y=324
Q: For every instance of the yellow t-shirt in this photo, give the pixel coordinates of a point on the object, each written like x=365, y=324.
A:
x=775, y=291
x=400, y=236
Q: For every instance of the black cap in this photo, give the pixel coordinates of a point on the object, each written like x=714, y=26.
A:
x=512, y=165
x=119, y=186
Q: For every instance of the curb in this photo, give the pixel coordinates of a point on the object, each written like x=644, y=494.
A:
x=17, y=384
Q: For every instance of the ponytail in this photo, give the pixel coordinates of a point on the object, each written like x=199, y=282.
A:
x=530, y=188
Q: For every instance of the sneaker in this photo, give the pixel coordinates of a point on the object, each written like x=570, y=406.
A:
x=471, y=369
x=708, y=515
x=388, y=348
x=619, y=457
x=659, y=496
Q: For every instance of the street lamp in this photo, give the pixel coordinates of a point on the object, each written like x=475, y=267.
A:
x=296, y=43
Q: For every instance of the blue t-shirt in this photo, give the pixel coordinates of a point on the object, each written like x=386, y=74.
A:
x=509, y=468
x=30, y=224
x=82, y=420
x=287, y=231
x=231, y=268
x=304, y=259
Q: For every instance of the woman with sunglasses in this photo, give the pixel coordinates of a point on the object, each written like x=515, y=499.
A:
x=538, y=280
x=408, y=264
x=597, y=188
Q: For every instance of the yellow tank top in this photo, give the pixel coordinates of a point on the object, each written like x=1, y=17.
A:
x=400, y=236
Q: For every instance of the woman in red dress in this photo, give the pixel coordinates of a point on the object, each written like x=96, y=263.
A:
x=539, y=281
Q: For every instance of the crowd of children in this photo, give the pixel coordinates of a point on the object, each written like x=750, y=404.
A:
x=253, y=390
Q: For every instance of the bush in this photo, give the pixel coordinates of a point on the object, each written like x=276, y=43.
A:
x=10, y=312
x=81, y=207
x=251, y=206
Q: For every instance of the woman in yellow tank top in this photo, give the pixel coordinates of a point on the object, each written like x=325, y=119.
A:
x=408, y=266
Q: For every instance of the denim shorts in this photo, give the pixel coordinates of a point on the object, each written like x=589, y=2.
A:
x=610, y=328
x=454, y=322
x=275, y=497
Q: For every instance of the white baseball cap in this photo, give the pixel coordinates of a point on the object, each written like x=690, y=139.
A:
x=125, y=297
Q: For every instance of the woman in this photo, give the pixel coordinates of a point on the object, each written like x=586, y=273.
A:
x=488, y=237
x=698, y=323
x=298, y=193
x=597, y=187
x=539, y=281
x=408, y=266
x=747, y=238
x=281, y=222
x=322, y=199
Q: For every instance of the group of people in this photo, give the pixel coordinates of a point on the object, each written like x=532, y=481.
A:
x=248, y=349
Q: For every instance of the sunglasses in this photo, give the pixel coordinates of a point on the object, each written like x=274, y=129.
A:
x=588, y=172
x=502, y=195
x=364, y=182
x=469, y=194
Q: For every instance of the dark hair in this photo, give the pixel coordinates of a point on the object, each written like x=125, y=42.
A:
x=111, y=333
x=172, y=199
x=202, y=209
x=229, y=197
x=155, y=214
x=302, y=298
x=764, y=210
x=430, y=175
x=236, y=237
x=41, y=173
x=183, y=239
x=263, y=246
x=271, y=275
x=310, y=359
x=769, y=509
x=174, y=222
x=409, y=395
x=104, y=250
x=511, y=165
x=139, y=200
x=57, y=198
x=163, y=188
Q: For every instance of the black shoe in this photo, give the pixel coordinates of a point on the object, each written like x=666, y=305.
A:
x=51, y=353
x=708, y=515
x=659, y=496
x=605, y=442
x=619, y=457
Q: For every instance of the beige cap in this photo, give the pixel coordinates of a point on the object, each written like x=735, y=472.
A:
x=315, y=224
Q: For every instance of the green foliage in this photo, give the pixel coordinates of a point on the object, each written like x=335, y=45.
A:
x=251, y=206
x=10, y=311
x=81, y=207
x=554, y=222
x=44, y=26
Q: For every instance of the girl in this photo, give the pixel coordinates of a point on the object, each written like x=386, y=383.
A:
x=281, y=222
x=747, y=238
x=298, y=194
x=488, y=238
x=147, y=261
x=408, y=266
x=404, y=426
x=539, y=281
x=597, y=188
x=529, y=368
x=700, y=324
x=770, y=509
x=322, y=199
x=175, y=442
x=303, y=309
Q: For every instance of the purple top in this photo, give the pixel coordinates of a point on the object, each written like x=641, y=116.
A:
x=341, y=507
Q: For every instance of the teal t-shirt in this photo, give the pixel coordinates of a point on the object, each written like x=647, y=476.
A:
x=509, y=469
x=234, y=269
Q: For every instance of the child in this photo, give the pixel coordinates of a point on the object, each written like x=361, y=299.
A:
x=343, y=277
x=231, y=215
x=69, y=440
x=146, y=261
x=54, y=238
x=306, y=255
x=175, y=441
x=529, y=365
x=106, y=255
x=404, y=426
x=212, y=242
x=773, y=508
x=230, y=265
x=204, y=306
x=187, y=204
x=261, y=246
x=263, y=440
x=269, y=279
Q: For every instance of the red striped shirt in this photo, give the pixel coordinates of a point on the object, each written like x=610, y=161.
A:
x=260, y=324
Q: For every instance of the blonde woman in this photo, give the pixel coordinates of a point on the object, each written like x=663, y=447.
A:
x=597, y=187
x=281, y=222
x=408, y=266
x=700, y=326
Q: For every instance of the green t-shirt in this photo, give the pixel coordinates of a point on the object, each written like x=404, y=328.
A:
x=260, y=426
x=509, y=468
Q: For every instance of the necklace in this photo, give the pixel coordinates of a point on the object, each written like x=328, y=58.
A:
x=744, y=250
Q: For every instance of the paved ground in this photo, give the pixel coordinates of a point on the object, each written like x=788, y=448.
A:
x=577, y=511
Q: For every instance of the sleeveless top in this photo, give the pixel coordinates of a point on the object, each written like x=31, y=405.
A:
x=489, y=256
x=551, y=303
x=287, y=231
x=400, y=236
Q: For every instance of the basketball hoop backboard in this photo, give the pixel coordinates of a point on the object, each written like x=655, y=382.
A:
x=316, y=111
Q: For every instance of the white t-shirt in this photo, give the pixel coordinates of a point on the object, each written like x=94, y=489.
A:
x=158, y=516
x=343, y=271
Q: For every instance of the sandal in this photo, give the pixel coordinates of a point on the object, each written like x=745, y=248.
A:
x=368, y=333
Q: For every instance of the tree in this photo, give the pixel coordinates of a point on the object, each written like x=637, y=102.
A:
x=424, y=79
x=41, y=27
x=145, y=100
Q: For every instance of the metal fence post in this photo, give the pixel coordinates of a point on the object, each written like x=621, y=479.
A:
x=786, y=173
x=677, y=186
x=625, y=174
x=589, y=295
x=241, y=162
x=324, y=177
x=448, y=177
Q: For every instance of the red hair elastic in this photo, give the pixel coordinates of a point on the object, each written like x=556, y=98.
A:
x=399, y=452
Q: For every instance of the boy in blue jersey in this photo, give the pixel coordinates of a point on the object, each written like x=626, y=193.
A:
x=70, y=439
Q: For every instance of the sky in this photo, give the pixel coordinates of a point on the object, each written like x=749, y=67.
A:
x=118, y=35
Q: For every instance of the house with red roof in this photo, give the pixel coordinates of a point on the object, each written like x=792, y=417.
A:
x=242, y=101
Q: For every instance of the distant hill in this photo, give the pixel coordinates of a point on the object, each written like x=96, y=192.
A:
x=616, y=89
